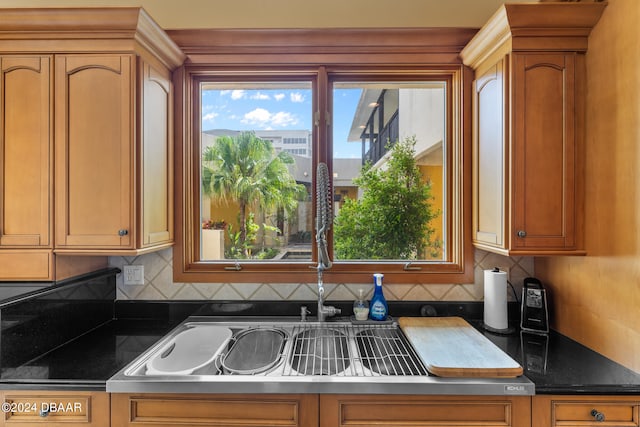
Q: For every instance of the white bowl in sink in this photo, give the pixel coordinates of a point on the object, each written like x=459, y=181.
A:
x=189, y=350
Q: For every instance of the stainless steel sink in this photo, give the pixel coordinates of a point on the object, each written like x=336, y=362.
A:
x=285, y=356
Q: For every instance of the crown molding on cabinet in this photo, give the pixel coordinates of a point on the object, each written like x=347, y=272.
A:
x=86, y=29
x=522, y=27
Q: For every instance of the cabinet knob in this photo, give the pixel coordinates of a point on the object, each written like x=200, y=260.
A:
x=599, y=416
x=123, y=232
x=522, y=233
x=44, y=412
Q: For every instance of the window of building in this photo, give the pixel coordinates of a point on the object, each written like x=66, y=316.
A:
x=392, y=138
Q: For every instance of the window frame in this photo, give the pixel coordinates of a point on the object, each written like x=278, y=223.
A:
x=321, y=56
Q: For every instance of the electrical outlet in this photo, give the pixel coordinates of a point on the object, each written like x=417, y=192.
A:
x=133, y=274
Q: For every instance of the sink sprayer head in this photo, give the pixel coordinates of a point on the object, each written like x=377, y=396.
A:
x=324, y=214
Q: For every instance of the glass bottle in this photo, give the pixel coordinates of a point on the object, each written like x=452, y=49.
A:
x=378, y=308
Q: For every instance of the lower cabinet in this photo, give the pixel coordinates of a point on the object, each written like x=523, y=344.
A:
x=418, y=411
x=55, y=409
x=312, y=410
x=27, y=408
x=259, y=410
x=585, y=411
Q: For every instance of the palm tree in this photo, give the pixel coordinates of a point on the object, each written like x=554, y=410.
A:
x=246, y=169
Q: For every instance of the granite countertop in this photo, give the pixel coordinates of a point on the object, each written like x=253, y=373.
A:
x=560, y=365
x=89, y=360
x=556, y=364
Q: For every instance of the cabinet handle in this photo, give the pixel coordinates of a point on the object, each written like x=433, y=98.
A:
x=123, y=232
x=44, y=412
x=599, y=416
x=522, y=233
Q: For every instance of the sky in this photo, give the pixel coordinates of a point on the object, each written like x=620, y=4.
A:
x=276, y=109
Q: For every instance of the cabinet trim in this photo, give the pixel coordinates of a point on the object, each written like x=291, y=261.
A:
x=525, y=27
x=87, y=26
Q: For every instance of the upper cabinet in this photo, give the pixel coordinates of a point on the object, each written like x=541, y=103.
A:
x=86, y=138
x=26, y=142
x=528, y=121
x=94, y=152
x=26, y=167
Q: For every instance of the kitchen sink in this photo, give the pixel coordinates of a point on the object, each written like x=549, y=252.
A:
x=279, y=355
x=285, y=349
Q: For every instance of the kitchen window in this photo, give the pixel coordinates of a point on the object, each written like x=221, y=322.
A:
x=253, y=136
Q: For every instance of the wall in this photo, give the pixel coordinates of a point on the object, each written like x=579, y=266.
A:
x=298, y=13
x=159, y=284
x=597, y=298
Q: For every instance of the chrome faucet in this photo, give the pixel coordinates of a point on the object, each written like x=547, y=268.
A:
x=324, y=311
x=324, y=218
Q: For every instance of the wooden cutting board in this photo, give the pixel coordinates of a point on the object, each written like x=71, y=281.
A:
x=451, y=347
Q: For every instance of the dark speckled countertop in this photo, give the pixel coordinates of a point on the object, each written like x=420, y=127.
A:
x=560, y=365
x=116, y=333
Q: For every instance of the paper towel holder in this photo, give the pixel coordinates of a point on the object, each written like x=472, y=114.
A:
x=509, y=330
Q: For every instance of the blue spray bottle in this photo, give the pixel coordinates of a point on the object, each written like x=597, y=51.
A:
x=378, y=307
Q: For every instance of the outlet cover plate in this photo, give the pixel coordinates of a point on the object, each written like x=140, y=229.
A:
x=133, y=274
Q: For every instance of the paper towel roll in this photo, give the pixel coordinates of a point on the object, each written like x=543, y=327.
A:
x=495, y=299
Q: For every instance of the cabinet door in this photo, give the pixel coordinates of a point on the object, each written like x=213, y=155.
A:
x=585, y=411
x=544, y=152
x=94, y=151
x=489, y=157
x=239, y=410
x=26, y=144
x=55, y=409
x=424, y=411
x=156, y=155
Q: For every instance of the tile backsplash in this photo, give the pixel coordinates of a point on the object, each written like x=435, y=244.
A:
x=159, y=285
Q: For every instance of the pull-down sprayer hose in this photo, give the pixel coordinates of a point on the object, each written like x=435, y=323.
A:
x=324, y=214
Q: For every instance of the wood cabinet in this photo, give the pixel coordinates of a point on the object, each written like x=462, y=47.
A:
x=26, y=95
x=26, y=173
x=155, y=155
x=26, y=165
x=94, y=151
x=55, y=408
x=101, y=78
x=114, y=158
x=570, y=411
x=528, y=120
x=418, y=411
x=312, y=410
x=261, y=410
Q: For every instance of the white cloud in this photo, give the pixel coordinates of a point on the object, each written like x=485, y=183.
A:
x=237, y=94
x=261, y=96
x=209, y=116
x=259, y=116
x=283, y=119
x=297, y=97
x=265, y=119
x=279, y=96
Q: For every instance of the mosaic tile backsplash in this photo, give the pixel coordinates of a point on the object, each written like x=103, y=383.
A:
x=159, y=285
